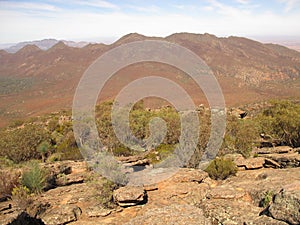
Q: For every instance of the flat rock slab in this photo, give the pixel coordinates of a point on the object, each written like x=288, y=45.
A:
x=172, y=214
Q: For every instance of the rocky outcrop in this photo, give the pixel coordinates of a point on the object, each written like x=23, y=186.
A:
x=187, y=197
x=129, y=196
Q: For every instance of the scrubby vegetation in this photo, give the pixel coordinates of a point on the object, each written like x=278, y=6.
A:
x=34, y=178
x=282, y=121
x=51, y=137
x=8, y=181
x=103, y=191
x=220, y=168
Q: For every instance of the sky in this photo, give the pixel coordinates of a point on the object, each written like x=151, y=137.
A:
x=107, y=20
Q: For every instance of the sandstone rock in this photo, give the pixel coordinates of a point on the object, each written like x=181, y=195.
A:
x=272, y=150
x=248, y=164
x=189, y=175
x=271, y=163
x=286, y=206
x=24, y=219
x=8, y=213
x=60, y=215
x=229, y=212
x=226, y=192
x=172, y=214
x=65, y=180
x=97, y=211
x=129, y=196
x=150, y=187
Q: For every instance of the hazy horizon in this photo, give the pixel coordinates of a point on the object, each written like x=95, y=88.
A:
x=92, y=20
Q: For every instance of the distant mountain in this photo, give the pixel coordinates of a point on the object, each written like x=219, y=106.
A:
x=44, y=44
x=34, y=81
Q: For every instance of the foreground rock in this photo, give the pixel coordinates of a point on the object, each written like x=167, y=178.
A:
x=173, y=214
x=286, y=205
x=188, y=197
x=61, y=215
x=129, y=196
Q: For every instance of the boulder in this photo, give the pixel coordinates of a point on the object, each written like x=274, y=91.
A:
x=61, y=214
x=129, y=196
x=286, y=205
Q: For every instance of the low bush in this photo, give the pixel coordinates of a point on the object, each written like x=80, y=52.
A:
x=21, y=195
x=34, y=178
x=9, y=179
x=103, y=190
x=220, y=169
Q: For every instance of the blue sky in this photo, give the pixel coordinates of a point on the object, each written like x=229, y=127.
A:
x=106, y=20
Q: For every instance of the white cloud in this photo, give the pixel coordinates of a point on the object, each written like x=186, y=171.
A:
x=96, y=3
x=290, y=4
x=244, y=2
x=147, y=9
x=227, y=10
x=27, y=5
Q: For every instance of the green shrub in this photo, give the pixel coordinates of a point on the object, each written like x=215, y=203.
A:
x=282, y=121
x=43, y=148
x=267, y=199
x=34, y=178
x=122, y=151
x=106, y=196
x=103, y=190
x=220, y=168
x=240, y=135
x=20, y=144
x=68, y=148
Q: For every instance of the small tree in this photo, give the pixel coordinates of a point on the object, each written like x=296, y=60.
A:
x=43, y=148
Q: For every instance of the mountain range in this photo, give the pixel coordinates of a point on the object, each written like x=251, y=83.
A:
x=42, y=44
x=34, y=81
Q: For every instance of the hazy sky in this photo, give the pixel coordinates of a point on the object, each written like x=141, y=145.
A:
x=106, y=19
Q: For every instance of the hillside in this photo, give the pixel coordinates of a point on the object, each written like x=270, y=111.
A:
x=34, y=81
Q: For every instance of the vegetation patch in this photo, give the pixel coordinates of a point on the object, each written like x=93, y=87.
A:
x=220, y=169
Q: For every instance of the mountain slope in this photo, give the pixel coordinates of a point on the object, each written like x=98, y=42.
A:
x=38, y=81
